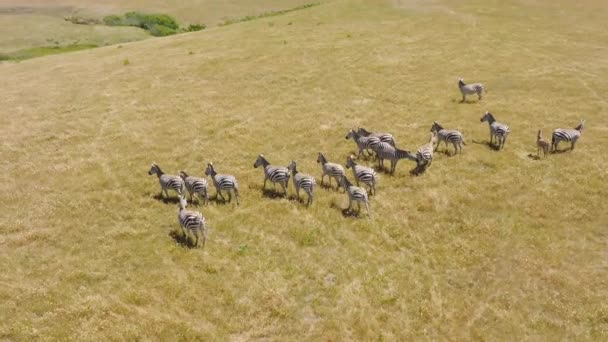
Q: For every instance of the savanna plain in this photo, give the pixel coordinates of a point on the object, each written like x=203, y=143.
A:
x=485, y=245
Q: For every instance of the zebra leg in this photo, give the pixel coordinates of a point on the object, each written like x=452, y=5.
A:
x=358, y=207
x=284, y=185
x=479, y=95
x=298, y=194
x=204, y=233
x=572, y=146
x=219, y=193
x=504, y=140
x=265, y=178
x=367, y=208
x=236, y=194
x=464, y=97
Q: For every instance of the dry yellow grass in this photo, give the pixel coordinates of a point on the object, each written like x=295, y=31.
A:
x=484, y=246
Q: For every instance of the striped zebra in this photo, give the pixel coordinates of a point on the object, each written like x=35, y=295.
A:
x=424, y=155
x=363, y=174
x=167, y=182
x=497, y=129
x=363, y=143
x=384, y=137
x=302, y=181
x=330, y=169
x=355, y=194
x=448, y=135
x=276, y=174
x=541, y=144
x=196, y=186
x=226, y=183
x=568, y=134
x=191, y=221
x=386, y=151
x=470, y=89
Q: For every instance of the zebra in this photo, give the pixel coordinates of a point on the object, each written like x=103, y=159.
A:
x=384, y=137
x=386, y=151
x=355, y=194
x=424, y=155
x=223, y=183
x=470, y=89
x=302, y=181
x=167, y=182
x=497, y=129
x=363, y=174
x=567, y=134
x=196, y=186
x=191, y=221
x=276, y=174
x=363, y=143
x=330, y=169
x=448, y=135
x=541, y=144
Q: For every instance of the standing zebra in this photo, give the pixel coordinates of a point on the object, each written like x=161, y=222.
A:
x=384, y=137
x=424, y=155
x=302, y=181
x=470, y=89
x=195, y=185
x=363, y=143
x=448, y=135
x=568, y=134
x=167, y=181
x=355, y=194
x=497, y=129
x=363, y=174
x=276, y=174
x=191, y=221
x=386, y=151
x=541, y=144
x=223, y=183
x=330, y=169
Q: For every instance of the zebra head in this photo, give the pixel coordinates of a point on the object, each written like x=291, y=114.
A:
x=461, y=82
x=433, y=138
x=436, y=127
x=292, y=167
x=351, y=134
x=155, y=169
x=210, y=171
x=261, y=161
x=182, y=174
x=487, y=117
x=182, y=203
x=345, y=182
x=540, y=134
x=321, y=158
x=581, y=126
x=350, y=161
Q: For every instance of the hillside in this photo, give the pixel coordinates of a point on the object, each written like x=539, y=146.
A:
x=485, y=245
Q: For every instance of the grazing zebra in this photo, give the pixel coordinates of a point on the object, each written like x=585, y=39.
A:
x=276, y=174
x=363, y=143
x=363, y=174
x=470, y=89
x=541, y=144
x=497, y=129
x=302, y=181
x=386, y=151
x=223, y=183
x=191, y=221
x=355, y=194
x=330, y=169
x=196, y=186
x=424, y=155
x=167, y=181
x=448, y=135
x=567, y=134
x=384, y=137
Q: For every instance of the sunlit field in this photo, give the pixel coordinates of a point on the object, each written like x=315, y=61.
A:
x=486, y=245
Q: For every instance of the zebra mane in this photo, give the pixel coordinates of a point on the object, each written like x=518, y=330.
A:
x=182, y=172
x=158, y=168
x=580, y=126
x=439, y=127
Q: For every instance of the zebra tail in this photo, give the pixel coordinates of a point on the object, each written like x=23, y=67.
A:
x=463, y=141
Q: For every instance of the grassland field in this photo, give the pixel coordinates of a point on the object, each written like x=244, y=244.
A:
x=485, y=245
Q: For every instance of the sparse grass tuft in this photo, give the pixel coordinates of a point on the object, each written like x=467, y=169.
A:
x=267, y=14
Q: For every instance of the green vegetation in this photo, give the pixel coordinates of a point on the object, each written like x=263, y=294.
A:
x=267, y=14
x=42, y=51
x=159, y=25
x=485, y=246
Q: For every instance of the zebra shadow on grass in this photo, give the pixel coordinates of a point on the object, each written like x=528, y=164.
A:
x=172, y=199
x=181, y=239
x=348, y=212
x=471, y=101
x=486, y=143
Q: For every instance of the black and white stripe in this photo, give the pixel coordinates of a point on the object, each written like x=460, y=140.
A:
x=302, y=181
x=167, y=182
x=386, y=151
x=191, y=221
x=470, y=89
x=448, y=136
x=567, y=134
x=330, y=169
x=363, y=174
x=384, y=137
x=226, y=183
x=196, y=186
x=424, y=155
x=363, y=143
x=497, y=129
x=355, y=194
x=276, y=174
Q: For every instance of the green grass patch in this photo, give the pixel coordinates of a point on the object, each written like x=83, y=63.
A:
x=23, y=54
x=159, y=25
x=267, y=14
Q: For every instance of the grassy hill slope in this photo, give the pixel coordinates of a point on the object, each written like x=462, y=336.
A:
x=486, y=245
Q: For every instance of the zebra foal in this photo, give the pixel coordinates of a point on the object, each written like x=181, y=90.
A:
x=166, y=181
x=195, y=186
x=355, y=194
x=470, y=89
x=541, y=144
x=330, y=169
x=424, y=155
x=448, y=136
x=191, y=221
x=567, y=134
x=363, y=143
x=498, y=130
x=363, y=174
x=221, y=182
x=276, y=174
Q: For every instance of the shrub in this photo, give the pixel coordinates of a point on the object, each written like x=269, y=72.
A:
x=114, y=20
x=195, y=27
x=149, y=21
x=161, y=31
